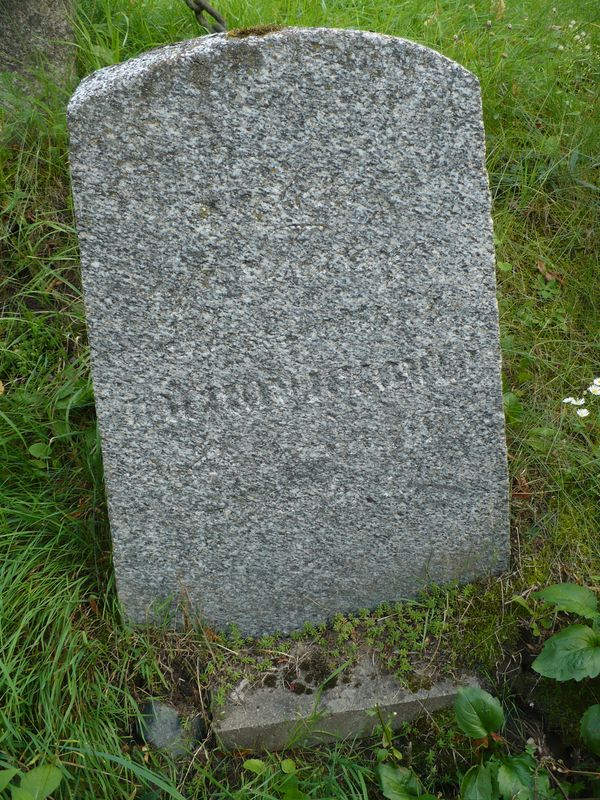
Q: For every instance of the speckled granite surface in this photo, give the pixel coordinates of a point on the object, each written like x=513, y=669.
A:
x=289, y=278
x=32, y=31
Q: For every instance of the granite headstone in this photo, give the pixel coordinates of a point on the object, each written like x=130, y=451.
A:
x=37, y=33
x=289, y=276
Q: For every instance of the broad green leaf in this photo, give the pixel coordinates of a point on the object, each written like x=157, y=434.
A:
x=41, y=781
x=16, y=793
x=508, y=344
x=572, y=598
x=543, y=789
x=541, y=439
x=477, y=712
x=40, y=450
x=590, y=728
x=74, y=396
x=515, y=778
x=6, y=776
x=398, y=783
x=513, y=408
x=255, y=765
x=477, y=785
x=291, y=790
x=61, y=429
x=571, y=654
x=288, y=766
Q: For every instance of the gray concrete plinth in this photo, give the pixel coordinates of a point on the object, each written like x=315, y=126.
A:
x=273, y=718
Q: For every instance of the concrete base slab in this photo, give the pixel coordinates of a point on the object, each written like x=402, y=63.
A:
x=275, y=717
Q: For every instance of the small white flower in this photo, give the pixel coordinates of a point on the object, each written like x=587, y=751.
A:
x=582, y=412
x=596, y=381
x=572, y=23
x=579, y=402
x=569, y=400
x=560, y=47
x=593, y=389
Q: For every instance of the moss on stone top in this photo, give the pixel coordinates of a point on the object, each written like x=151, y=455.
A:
x=256, y=30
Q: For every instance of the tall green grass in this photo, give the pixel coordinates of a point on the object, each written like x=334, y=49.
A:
x=71, y=671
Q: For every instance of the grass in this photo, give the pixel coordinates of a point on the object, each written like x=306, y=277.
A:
x=72, y=673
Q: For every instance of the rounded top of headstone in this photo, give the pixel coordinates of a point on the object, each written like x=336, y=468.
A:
x=241, y=50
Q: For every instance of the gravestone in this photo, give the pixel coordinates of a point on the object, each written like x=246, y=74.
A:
x=34, y=33
x=289, y=276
